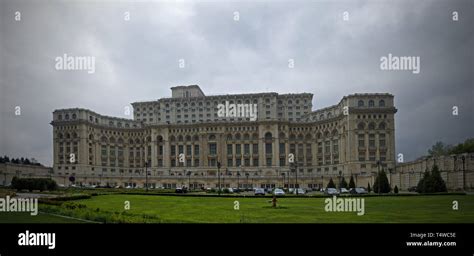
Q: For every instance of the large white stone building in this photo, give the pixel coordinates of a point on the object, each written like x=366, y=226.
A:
x=180, y=140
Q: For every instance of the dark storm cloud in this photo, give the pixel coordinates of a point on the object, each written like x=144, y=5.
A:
x=138, y=60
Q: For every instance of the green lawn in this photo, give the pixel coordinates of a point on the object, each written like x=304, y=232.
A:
x=412, y=209
x=22, y=217
x=180, y=209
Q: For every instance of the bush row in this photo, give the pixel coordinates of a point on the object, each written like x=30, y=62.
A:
x=31, y=184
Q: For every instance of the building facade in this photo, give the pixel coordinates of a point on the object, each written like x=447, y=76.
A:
x=10, y=170
x=456, y=170
x=180, y=140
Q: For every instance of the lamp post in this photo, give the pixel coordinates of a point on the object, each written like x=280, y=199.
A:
x=295, y=167
x=247, y=175
x=378, y=174
x=189, y=179
x=146, y=176
x=283, y=179
x=463, y=158
x=219, y=177
x=238, y=184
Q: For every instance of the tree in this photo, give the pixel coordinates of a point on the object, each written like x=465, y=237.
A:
x=343, y=183
x=432, y=182
x=395, y=190
x=438, y=183
x=331, y=184
x=439, y=149
x=352, y=183
x=381, y=184
x=368, y=187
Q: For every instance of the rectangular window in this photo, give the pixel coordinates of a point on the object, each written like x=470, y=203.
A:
x=282, y=161
x=361, y=140
x=229, y=149
x=246, y=149
x=255, y=161
x=247, y=161
x=238, y=149
x=238, y=162
x=196, y=150
x=230, y=162
x=255, y=149
x=173, y=150
x=269, y=161
x=282, y=149
x=268, y=148
x=212, y=148
x=188, y=150
x=180, y=149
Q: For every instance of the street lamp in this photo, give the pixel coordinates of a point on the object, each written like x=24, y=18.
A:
x=189, y=179
x=295, y=167
x=146, y=176
x=247, y=175
x=378, y=174
x=219, y=177
x=463, y=158
x=238, y=184
x=283, y=179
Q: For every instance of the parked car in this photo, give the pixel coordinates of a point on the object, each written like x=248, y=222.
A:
x=412, y=189
x=358, y=191
x=331, y=191
x=279, y=192
x=181, y=190
x=344, y=191
x=259, y=192
x=300, y=191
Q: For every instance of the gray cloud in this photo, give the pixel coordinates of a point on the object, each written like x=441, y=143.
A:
x=138, y=60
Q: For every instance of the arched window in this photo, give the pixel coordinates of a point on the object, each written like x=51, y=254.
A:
x=360, y=103
x=68, y=136
x=268, y=136
x=74, y=116
x=371, y=126
x=237, y=136
x=60, y=117
x=67, y=117
x=371, y=103
x=381, y=103
x=361, y=126
x=382, y=126
x=212, y=137
x=246, y=136
x=282, y=135
x=172, y=138
x=195, y=138
x=188, y=138
x=180, y=138
x=159, y=139
x=60, y=135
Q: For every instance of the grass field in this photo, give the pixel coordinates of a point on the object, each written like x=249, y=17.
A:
x=180, y=209
x=419, y=209
x=23, y=217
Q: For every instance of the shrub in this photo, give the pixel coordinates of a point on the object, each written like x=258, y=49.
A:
x=395, y=190
x=381, y=184
x=331, y=184
x=31, y=184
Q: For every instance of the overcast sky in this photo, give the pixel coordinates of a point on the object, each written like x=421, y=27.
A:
x=139, y=59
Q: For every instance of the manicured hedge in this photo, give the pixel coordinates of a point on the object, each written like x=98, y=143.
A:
x=31, y=184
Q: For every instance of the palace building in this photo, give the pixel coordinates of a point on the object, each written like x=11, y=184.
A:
x=180, y=140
